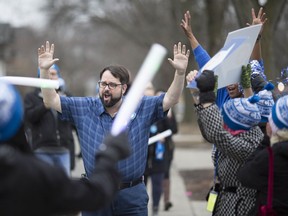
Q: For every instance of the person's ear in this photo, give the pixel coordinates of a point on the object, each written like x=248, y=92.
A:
x=124, y=88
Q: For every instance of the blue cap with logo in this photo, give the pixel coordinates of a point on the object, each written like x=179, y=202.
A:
x=241, y=113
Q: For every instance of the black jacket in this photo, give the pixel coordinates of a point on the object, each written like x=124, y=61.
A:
x=32, y=187
x=254, y=174
x=152, y=164
x=46, y=128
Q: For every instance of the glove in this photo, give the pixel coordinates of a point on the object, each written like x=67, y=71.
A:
x=257, y=82
x=206, y=83
x=114, y=148
x=245, y=76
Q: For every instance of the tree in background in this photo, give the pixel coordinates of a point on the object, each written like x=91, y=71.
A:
x=275, y=11
x=103, y=32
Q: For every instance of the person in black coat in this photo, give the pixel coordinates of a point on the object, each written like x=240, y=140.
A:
x=254, y=173
x=159, y=155
x=32, y=187
x=51, y=139
x=235, y=135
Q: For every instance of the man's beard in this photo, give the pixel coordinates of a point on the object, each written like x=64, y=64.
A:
x=112, y=102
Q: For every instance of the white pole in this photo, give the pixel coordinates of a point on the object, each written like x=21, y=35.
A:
x=146, y=73
x=34, y=82
x=159, y=136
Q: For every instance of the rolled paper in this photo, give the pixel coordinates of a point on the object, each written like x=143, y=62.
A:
x=146, y=73
x=281, y=86
x=159, y=136
x=193, y=83
x=29, y=81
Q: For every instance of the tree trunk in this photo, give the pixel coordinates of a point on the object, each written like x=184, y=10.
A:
x=215, y=12
x=273, y=10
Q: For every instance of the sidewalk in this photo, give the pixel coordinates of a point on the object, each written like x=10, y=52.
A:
x=181, y=204
x=184, y=159
x=191, y=159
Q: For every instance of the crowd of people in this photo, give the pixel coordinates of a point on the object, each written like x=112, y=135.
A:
x=31, y=186
x=248, y=133
x=246, y=123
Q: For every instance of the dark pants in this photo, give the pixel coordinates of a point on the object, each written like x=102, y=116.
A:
x=131, y=201
x=157, y=181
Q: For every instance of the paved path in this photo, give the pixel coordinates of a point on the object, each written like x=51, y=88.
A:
x=193, y=159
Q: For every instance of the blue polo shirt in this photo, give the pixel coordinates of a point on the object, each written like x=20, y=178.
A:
x=93, y=123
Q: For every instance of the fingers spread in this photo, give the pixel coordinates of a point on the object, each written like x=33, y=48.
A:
x=260, y=12
x=253, y=13
x=188, y=53
x=183, y=49
x=175, y=49
x=52, y=49
x=47, y=46
x=179, y=47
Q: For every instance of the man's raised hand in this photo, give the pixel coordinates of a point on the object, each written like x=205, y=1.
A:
x=45, y=56
x=180, y=61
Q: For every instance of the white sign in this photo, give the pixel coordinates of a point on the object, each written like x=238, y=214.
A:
x=227, y=63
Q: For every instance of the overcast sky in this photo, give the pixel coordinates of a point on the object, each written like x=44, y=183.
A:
x=22, y=12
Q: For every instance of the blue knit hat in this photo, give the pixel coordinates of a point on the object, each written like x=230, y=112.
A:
x=256, y=69
x=11, y=111
x=266, y=101
x=280, y=113
x=60, y=79
x=241, y=113
x=55, y=67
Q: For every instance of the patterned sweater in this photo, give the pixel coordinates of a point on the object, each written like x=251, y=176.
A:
x=232, y=151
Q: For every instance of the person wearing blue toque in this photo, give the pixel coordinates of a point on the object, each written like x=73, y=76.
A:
x=235, y=134
x=255, y=172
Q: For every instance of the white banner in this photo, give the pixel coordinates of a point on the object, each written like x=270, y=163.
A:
x=227, y=63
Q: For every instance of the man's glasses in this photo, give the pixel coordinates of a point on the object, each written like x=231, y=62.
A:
x=110, y=85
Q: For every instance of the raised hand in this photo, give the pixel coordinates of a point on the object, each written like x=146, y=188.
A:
x=45, y=56
x=186, y=25
x=180, y=61
x=259, y=19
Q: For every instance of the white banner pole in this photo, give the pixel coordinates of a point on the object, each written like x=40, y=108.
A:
x=146, y=73
x=29, y=81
